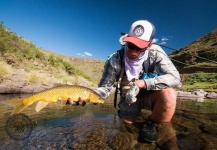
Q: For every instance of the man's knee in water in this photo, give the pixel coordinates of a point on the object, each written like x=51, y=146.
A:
x=163, y=105
x=165, y=97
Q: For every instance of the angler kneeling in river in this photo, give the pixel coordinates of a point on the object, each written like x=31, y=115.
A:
x=145, y=77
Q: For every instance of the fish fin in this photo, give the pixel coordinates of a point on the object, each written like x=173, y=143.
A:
x=18, y=109
x=40, y=105
x=63, y=102
x=17, y=103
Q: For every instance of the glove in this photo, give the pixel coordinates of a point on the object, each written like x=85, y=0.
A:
x=131, y=94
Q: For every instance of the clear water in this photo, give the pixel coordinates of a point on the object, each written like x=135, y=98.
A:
x=193, y=127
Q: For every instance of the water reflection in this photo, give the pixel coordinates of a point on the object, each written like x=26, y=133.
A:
x=99, y=127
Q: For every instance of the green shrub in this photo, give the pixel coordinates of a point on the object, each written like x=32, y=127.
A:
x=33, y=78
x=202, y=77
x=3, y=71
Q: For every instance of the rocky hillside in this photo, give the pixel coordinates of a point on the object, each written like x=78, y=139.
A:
x=199, y=56
x=197, y=63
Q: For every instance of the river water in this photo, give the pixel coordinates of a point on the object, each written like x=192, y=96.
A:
x=193, y=127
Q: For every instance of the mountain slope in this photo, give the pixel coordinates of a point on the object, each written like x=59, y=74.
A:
x=91, y=67
x=197, y=63
x=21, y=54
x=198, y=56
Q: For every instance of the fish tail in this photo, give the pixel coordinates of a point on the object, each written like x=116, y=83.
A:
x=17, y=103
x=18, y=109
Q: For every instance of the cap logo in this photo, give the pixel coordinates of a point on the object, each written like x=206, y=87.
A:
x=138, y=30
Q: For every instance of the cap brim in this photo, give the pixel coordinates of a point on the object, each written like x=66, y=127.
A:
x=136, y=41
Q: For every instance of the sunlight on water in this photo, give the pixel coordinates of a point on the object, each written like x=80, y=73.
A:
x=99, y=127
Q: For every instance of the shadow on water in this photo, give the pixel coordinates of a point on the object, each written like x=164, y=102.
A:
x=193, y=127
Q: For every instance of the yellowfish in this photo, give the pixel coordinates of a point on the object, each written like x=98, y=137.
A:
x=65, y=93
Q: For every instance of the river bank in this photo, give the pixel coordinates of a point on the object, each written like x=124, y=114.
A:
x=17, y=83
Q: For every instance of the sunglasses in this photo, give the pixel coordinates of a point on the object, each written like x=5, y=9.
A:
x=134, y=47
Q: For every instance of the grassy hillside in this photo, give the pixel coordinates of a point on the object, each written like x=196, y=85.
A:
x=19, y=53
x=91, y=67
x=198, y=56
x=197, y=63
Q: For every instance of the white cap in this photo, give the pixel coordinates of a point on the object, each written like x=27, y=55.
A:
x=141, y=34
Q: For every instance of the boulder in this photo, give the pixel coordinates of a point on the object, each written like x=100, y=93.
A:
x=211, y=95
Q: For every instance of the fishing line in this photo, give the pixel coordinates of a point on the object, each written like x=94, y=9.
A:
x=190, y=64
x=187, y=53
x=179, y=62
x=123, y=34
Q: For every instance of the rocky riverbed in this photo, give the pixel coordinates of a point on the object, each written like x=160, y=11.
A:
x=92, y=127
x=198, y=95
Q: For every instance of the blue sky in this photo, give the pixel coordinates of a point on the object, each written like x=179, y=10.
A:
x=91, y=28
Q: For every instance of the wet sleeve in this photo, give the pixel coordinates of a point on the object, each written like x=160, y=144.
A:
x=109, y=76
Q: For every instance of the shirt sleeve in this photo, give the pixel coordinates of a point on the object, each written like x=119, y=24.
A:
x=111, y=71
x=168, y=74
